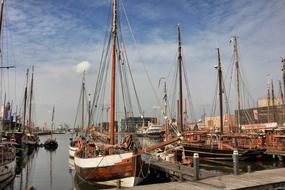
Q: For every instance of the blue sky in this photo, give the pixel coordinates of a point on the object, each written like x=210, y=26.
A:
x=57, y=35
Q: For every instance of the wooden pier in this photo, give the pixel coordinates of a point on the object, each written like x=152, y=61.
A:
x=265, y=179
x=178, y=171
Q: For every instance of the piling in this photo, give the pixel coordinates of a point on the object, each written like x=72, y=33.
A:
x=248, y=168
x=235, y=162
x=118, y=184
x=196, y=166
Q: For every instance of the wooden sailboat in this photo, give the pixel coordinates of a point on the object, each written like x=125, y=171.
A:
x=220, y=146
x=30, y=138
x=110, y=162
x=51, y=143
x=7, y=150
x=76, y=142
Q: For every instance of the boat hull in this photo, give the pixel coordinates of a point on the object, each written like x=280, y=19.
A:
x=208, y=153
x=7, y=170
x=110, y=168
x=71, y=151
x=51, y=144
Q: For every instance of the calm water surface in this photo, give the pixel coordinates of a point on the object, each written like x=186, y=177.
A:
x=54, y=170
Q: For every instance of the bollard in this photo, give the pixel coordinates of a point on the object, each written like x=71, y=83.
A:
x=118, y=184
x=248, y=168
x=180, y=177
x=196, y=166
x=235, y=162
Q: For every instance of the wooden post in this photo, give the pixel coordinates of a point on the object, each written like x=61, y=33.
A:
x=118, y=184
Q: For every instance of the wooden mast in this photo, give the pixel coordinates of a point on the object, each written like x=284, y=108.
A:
x=220, y=90
x=52, y=121
x=165, y=113
x=268, y=101
x=282, y=100
x=25, y=101
x=236, y=61
x=113, y=85
x=273, y=101
x=31, y=99
x=180, y=127
x=82, y=102
x=283, y=69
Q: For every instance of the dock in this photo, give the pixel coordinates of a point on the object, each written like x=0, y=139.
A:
x=179, y=171
x=265, y=179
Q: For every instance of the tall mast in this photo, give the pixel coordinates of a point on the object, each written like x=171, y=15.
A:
x=25, y=101
x=1, y=79
x=236, y=61
x=1, y=18
x=283, y=69
x=273, y=101
x=82, y=102
x=220, y=91
x=180, y=127
x=282, y=100
x=165, y=113
x=268, y=101
x=52, y=120
x=31, y=98
x=113, y=85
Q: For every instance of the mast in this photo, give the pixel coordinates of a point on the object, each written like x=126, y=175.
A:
x=283, y=69
x=25, y=101
x=273, y=101
x=52, y=121
x=113, y=85
x=282, y=100
x=236, y=61
x=1, y=79
x=165, y=113
x=31, y=98
x=268, y=101
x=1, y=18
x=82, y=102
x=220, y=91
x=180, y=127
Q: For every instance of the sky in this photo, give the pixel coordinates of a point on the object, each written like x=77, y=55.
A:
x=60, y=37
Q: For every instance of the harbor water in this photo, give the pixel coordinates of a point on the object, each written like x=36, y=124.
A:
x=55, y=170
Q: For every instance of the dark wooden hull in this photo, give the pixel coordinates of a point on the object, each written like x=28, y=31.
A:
x=51, y=144
x=214, y=153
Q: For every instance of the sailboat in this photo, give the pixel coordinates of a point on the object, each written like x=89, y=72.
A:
x=220, y=146
x=76, y=141
x=29, y=137
x=7, y=150
x=109, y=162
x=51, y=143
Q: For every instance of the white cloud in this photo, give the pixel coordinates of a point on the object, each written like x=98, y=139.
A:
x=82, y=66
